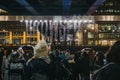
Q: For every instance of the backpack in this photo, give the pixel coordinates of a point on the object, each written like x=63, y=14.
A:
x=42, y=72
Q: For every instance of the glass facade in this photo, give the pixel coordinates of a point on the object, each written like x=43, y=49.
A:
x=110, y=7
x=73, y=30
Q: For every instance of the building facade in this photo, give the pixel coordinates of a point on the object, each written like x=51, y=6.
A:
x=100, y=30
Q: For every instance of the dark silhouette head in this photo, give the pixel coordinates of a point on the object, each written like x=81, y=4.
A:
x=113, y=54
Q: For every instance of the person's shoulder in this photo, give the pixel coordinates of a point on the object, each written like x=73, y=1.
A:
x=108, y=68
x=111, y=69
x=111, y=66
x=38, y=61
x=30, y=61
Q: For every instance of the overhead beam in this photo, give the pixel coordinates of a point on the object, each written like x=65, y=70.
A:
x=95, y=6
x=5, y=8
x=27, y=6
x=66, y=4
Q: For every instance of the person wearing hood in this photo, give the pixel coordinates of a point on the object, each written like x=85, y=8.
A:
x=111, y=71
x=38, y=63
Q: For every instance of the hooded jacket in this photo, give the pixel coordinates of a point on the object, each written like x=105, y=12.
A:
x=110, y=71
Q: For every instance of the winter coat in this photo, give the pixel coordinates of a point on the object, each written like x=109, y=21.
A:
x=36, y=66
x=110, y=71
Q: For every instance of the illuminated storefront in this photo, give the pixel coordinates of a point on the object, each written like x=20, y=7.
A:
x=67, y=30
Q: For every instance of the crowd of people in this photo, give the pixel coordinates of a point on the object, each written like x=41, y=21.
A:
x=42, y=63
